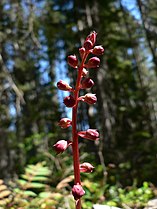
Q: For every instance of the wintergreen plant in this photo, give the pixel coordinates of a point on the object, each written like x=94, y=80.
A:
x=71, y=101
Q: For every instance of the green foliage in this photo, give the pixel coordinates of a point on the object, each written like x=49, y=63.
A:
x=131, y=196
x=33, y=190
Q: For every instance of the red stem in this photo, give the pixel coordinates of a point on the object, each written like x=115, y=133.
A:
x=75, y=146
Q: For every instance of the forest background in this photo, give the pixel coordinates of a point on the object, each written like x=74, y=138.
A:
x=36, y=36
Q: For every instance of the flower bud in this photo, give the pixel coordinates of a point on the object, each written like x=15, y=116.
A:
x=98, y=50
x=93, y=62
x=87, y=83
x=91, y=134
x=62, y=85
x=82, y=51
x=77, y=191
x=92, y=37
x=61, y=146
x=69, y=101
x=88, y=45
x=84, y=72
x=73, y=61
x=86, y=168
x=89, y=98
x=65, y=123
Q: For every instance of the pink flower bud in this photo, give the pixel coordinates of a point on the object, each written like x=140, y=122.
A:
x=84, y=72
x=86, y=168
x=93, y=62
x=92, y=37
x=61, y=146
x=98, y=50
x=89, y=98
x=82, y=51
x=91, y=134
x=77, y=191
x=88, y=45
x=87, y=83
x=73, y=61
x=69, y=101
x=65, y=123
x=62, y=85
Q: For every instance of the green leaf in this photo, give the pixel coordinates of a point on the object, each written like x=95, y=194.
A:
x=30, y=193
x=36, y=185
x=45, y=194
x=22, y=182
x=39, y=178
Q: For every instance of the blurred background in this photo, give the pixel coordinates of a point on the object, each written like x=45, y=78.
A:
x=36, y=36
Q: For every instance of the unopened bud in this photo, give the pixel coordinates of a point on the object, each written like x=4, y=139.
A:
x=73, y=61
x=62, y=85
x=86, y=168
x=98, y=50
x=65, y=123
x=87, y=83
x=88, y=45
x=89, y=98
x=91, y=134
x=82, y=51
x=93, y=62
x=92, y=37
x=61, y=146
x=69, y=101
x=77, y=191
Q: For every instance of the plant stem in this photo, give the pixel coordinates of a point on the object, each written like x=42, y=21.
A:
x=78, y=204
x=75, y=145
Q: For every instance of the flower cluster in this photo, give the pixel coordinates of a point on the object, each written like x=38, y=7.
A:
x=71, y=101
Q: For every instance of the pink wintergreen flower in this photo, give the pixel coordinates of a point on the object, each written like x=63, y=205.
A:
x=87, y=83
x=77, y=191
x=88, y=45
x=88, y=98
x=69, y=101
x=86, y=168
x=93, y=62
x=65, y=123
x=91, y=134
x=73, y=61
x=98, y=50
x=62, y=85
x=92, y=37
x=61, y=146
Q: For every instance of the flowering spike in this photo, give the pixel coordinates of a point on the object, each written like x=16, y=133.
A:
x=61, y=146
x=87, y=83
x=86, y=168
x=73, y=61
x=65, y=123
x=69, y=101
x=77, y=191
x=91, y=134
x=62, y=85
x=72, y=101
x=93, y=62
x=98, y=50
